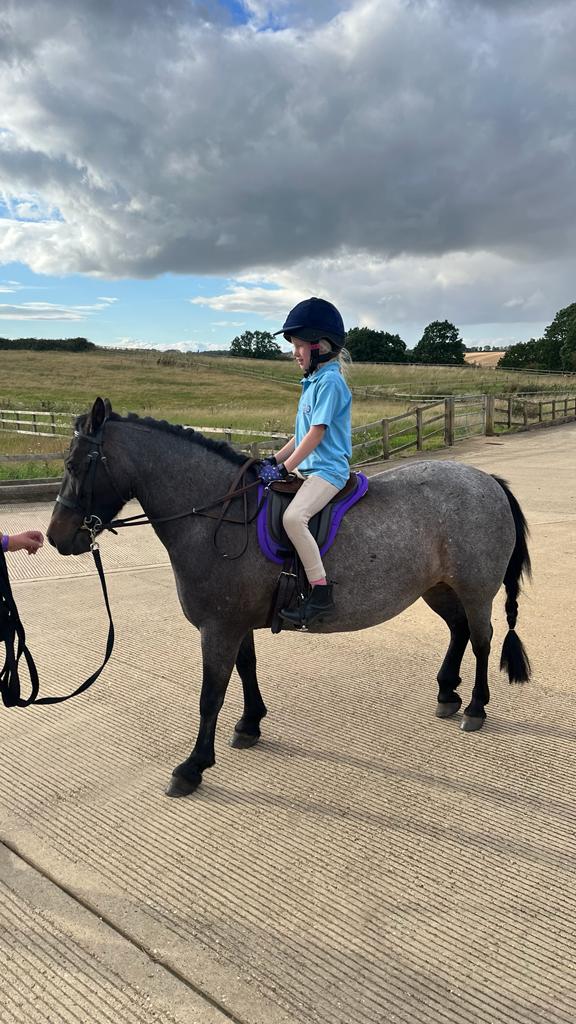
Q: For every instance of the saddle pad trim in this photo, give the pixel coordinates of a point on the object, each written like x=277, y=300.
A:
x=277, y=554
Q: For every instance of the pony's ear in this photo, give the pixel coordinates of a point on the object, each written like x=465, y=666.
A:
x=99, y=413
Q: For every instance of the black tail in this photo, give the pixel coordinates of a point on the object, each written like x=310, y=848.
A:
x=514, y=659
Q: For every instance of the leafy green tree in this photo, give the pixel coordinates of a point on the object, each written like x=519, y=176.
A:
x=367, y=346
x=561, y=334
x=522, y=356
x=556, y=350
x=440, y=343
x=255, y=345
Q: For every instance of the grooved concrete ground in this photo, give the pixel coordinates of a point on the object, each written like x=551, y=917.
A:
x=365, y=863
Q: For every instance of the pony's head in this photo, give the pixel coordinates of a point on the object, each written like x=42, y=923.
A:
x=88, y=497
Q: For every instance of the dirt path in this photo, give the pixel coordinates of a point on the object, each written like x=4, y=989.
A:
x=367, y=863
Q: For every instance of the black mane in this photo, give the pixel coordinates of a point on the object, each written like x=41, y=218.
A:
x=192, y=436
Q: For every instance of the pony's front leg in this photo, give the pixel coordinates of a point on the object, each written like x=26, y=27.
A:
x=247, y=728
x=219, y=651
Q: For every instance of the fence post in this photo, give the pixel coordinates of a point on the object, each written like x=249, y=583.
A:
x=509, y=412
x=419, y=434
x=255, y=450
x=525, y=413
x=53, y=422
x=449, y=421
x=553, y=408
x=565, y=406
x=539, y=412
x=385, y=439
x=228, y=435
x=489, y=407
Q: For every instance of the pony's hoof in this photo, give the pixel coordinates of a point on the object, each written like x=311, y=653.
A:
x=470, y=724
x=243, y=740
x=448, y=709
x=179, y=786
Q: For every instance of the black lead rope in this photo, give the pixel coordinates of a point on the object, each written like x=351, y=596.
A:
x=13, y=634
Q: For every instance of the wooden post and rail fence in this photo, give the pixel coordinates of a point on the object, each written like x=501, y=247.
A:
x=432, y=424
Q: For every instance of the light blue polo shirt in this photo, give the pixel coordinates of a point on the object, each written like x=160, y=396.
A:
x=326, y=400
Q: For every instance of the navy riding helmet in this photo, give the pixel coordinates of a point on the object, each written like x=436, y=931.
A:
x=311, y=321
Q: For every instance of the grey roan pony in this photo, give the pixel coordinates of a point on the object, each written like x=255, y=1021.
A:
x=442, y=531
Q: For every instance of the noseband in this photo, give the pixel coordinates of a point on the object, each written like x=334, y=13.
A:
x=91, y=522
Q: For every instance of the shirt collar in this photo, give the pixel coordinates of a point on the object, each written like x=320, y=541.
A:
x=332, y=364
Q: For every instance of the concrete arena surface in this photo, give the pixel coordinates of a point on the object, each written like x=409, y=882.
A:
x=365, y=863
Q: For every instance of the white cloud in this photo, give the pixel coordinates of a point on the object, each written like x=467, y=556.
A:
x=47, y=311
x=133, y=343
x=185, y=345
x=408, y=292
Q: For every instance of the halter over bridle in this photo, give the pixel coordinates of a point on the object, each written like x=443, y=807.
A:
x=83, y=505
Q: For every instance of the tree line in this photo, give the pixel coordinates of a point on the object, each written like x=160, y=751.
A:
x=440, y=343
x=555, y=350
x=47, y=344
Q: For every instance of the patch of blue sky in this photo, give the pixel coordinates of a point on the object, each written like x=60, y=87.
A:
x=31, y=208
x=236, y=10
x=241, y=13
x=156, y=313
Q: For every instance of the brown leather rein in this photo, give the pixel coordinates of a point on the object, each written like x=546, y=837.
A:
x=237, y=490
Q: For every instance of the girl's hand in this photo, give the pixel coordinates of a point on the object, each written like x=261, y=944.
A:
x=28, y=541
x=270, y=473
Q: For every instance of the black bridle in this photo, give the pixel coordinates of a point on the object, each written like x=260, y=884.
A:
x=11, y=628
x=94, y=524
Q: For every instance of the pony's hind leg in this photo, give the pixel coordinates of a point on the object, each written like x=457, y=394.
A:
x=446, y=603
x=247, y=728
x=479, y=615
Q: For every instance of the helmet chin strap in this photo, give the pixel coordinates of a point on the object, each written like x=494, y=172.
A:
x=316, y=358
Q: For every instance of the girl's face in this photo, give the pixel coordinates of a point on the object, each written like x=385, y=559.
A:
x=301, y=353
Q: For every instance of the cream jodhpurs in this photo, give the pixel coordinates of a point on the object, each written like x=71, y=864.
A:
x=314, y=494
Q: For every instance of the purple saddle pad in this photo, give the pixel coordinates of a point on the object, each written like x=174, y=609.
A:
x=276, y=550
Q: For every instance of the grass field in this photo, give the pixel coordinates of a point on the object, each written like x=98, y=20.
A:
x=219, y=392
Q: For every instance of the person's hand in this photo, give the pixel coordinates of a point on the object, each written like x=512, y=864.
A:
x=28, y=541
x=268, y=473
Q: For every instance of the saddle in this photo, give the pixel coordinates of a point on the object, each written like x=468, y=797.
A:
x=281, y=494
x=277, y=547
x=272, y=537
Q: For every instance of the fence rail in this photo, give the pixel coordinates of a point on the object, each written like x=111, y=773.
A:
x=435, y=424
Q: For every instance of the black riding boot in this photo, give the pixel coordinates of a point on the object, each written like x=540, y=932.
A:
x=319, y=604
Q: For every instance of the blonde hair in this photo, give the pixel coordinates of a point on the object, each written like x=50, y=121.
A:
x=342, y=355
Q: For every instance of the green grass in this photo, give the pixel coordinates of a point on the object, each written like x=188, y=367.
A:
x=221, y=392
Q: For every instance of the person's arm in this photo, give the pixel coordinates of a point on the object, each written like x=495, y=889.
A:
x=309, y=442
x=286, y=451
x=28, y=541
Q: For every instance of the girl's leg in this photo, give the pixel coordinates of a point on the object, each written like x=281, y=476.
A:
x=314, y=494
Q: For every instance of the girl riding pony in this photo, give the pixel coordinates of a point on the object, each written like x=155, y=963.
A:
x=322, y=444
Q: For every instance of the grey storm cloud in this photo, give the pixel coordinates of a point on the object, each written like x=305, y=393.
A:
x=171, y=140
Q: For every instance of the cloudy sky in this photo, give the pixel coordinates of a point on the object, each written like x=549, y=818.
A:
x=173, y=172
